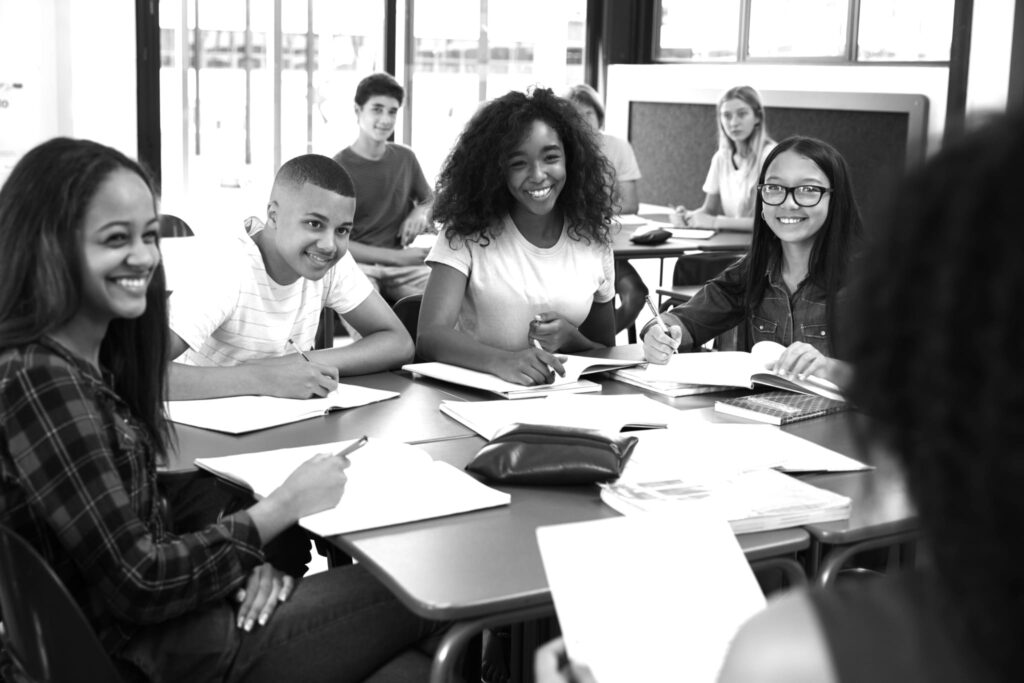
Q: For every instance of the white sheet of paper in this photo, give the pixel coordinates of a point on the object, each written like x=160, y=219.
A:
x=655, y=597
x=388, y=483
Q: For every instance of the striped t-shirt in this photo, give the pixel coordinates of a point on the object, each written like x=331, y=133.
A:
x=230, y=311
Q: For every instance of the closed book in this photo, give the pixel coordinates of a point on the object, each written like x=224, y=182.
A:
x=779, y=407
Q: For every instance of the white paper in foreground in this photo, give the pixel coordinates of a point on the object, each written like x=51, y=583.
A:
x=651, y=598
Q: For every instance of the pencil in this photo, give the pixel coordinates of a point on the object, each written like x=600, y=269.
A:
x=657, y=318
x=352, y=447
x=298, y=350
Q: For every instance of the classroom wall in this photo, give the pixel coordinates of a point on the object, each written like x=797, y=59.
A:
x=67, y=67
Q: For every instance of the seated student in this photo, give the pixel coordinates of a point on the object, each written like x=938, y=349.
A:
x=393, y=197
x=83, y=345
x=236, y=327
x=807, y=229
x=743, y=145
x=946, y=269
x=524, y=267
x=628, y=285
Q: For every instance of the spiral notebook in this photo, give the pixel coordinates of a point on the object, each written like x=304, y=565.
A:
x=779, y=407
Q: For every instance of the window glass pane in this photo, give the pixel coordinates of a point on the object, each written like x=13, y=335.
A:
x=699, y=30
x=798, y=28
x=905, y=30
x=468, y=51
x=218, y=125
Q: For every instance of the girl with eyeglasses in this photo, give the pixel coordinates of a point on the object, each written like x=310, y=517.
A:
x=785, y=289
x=743, y=144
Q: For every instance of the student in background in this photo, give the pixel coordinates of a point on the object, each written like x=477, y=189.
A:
x=945, y=269
x=392, y=196
x=807, y=229
x=524, y=267
x=83, y=345
x=628, y=284
x=743, y=145
x=238, y=325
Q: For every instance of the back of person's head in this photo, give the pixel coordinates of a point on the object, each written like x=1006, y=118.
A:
x=472, y=192
x=838, y=240
x=42, y=207
x=939, y=367
x=314, y=169
x=752, y=99
x=379, y=84
x=587, y=96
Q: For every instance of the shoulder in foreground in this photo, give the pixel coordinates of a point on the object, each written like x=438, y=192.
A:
x=782, y=644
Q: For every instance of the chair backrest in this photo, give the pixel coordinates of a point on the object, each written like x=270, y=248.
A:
x=172, y=226
x=408, y=311
x=46, y=633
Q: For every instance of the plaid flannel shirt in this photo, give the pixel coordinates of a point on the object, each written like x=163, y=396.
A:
x=78, y=481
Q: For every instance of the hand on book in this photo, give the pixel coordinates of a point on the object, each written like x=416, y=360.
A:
x=658, y=346
x=551, y=665
x=293, y=377
x=802, y=360
x=265, y=589
x=529, y=367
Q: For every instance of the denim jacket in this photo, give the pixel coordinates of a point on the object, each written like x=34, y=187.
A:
x=779, y=317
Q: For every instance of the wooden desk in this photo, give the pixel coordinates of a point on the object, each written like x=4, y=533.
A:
x=412, y=417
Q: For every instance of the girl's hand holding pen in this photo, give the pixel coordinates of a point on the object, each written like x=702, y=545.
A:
x=315, y=485
x=529, y=366
x=659, y=346
x=551, y=330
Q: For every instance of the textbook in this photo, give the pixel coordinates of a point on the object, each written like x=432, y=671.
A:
x=653, y=381
x=571, y=383
x=669, y=590
x=753, y=500
x=610, y=413
x=389, y=482
x=779, y=407
x=722, y=369
x=240, y=414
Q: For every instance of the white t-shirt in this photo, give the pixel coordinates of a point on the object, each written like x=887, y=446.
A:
x=231, y=311
x=622, y=157
x=512, y=280
x=735, y=185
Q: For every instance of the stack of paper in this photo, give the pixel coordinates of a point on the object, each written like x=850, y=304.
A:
x=388, y=483
x=239, y=414
x=662, y=606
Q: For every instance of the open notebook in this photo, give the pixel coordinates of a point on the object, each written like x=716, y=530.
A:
x=388, y=483
x=610, y=413
x=240, y=414
x=570, y=383
x=696, y=372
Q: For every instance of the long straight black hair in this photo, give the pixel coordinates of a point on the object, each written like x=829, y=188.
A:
x=42, y=206
x=836, y=244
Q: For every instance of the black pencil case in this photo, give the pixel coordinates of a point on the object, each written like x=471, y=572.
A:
x=546, y=454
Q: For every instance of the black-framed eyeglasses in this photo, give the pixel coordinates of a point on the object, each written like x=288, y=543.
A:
x=804, y=195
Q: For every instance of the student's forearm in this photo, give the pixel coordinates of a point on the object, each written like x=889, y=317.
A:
x=191, y=382
x=448, y=345
x=376, y=352
x=366, y=253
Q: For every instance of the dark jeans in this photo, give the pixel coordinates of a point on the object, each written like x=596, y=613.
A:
x=196, y=499
x=339, y=625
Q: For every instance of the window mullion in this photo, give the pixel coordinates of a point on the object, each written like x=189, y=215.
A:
x=743, y=49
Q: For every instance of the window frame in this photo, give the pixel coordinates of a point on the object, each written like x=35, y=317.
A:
x=743, y=45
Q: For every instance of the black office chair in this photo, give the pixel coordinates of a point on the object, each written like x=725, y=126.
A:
x=172, y=226
x=408, y=311
x=46, y=634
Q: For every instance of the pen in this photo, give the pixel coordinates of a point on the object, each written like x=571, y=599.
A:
x=296, y=347
x=657, y=318
x=352, y=447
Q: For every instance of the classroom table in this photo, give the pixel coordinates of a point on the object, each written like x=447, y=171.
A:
x=412, y=417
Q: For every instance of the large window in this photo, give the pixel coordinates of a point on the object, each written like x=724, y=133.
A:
x=248, y=84
x=469, y=51
x=821, y=31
